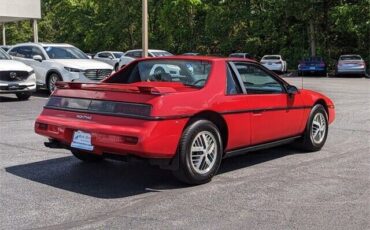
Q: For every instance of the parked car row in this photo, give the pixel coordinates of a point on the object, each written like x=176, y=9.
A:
x=347, y=64
x=63, y=62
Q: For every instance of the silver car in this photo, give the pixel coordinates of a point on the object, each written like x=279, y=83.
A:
x=16, y=77
x=110, y=57
x=350, y=64
x=59, y=62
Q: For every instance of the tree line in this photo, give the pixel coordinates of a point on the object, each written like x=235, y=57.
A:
x=292, y=28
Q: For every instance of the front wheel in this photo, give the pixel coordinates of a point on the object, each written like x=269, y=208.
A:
x=52, y=80
x=200, y=153
x=86, y=157
x=316, y=131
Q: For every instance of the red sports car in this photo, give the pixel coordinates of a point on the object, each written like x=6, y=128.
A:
x=184, y=113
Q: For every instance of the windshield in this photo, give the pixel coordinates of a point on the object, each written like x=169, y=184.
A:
x=64, y=52
x=350, y=57
x=3, y=55
x=271, y=58
x=189, y=72
x=161, y=54
x=118, y=54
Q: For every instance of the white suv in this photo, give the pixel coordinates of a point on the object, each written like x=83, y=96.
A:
x=59, y=62
x=131, y=55
x=274, y=63
x=16, y=77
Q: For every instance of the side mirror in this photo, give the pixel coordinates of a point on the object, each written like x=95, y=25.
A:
x=37, y=58
x=291, y=90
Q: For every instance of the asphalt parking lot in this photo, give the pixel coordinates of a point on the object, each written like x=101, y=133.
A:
x=280, y=188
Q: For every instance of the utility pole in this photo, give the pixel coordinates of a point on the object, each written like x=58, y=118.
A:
x=4, y=35
x=35, y=31
x=145, y=28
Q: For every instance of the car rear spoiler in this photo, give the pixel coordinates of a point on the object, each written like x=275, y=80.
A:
x=115, y=87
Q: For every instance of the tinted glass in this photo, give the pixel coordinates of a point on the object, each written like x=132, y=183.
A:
x=117, y=54
x=188, y=72
x=271, y=58
x=351, y=57
x=161, y=54
x=67, y=52
x=257, y=81
x=22, y=52
x=237, y=55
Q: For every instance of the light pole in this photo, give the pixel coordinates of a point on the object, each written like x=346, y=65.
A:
x=145, y=28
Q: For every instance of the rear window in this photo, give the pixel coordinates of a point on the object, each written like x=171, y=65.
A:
x=161, y=54
x=271, y=58
x=350, y=57
x=188, y=72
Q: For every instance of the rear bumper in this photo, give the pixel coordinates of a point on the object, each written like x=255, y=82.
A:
x=155, y=139
x=351, y=71
x=312, y=70
x=274, y=67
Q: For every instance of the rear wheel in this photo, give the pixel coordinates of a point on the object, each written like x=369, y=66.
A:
x=86, y=157
x=200, y=153
x=116, y=67
x=23, y=96
x=316, y=131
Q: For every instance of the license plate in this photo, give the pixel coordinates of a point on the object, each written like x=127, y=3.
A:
x=269, y=63
x=13, y=86
x=312, y=68
x=82, y=140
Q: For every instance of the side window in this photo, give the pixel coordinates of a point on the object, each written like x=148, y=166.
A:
x=131, y=54
x=257, y=81
x=102, y=55
x=22, y=52
x=232, y=87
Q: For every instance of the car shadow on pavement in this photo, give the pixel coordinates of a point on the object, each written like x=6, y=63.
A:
x=115, y=179
x=9, y=98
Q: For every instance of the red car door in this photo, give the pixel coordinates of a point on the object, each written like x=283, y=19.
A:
x=274, y=113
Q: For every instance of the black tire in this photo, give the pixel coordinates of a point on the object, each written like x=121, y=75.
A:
x=187, y=172
x=116, y=67
x=23, y=96
x=52, y=79
x=86, y=157
x=308, y=142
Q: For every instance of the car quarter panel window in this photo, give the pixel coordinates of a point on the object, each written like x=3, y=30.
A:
x=257, y=81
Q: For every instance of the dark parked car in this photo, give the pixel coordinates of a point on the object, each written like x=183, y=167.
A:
x=312, y=65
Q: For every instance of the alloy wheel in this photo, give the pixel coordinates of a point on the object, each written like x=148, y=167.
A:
x=203, y=152
x=318, y=130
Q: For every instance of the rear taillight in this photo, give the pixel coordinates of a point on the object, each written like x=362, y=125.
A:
x=322, y=64
x=41, y=126
x=100, y=106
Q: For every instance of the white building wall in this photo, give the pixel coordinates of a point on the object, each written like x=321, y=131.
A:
x=14, y=10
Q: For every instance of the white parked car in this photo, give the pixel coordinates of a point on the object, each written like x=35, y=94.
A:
x=131, y=55
x=16, y=77
x=110, y=57
x=59, y=62
x=274, y=63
